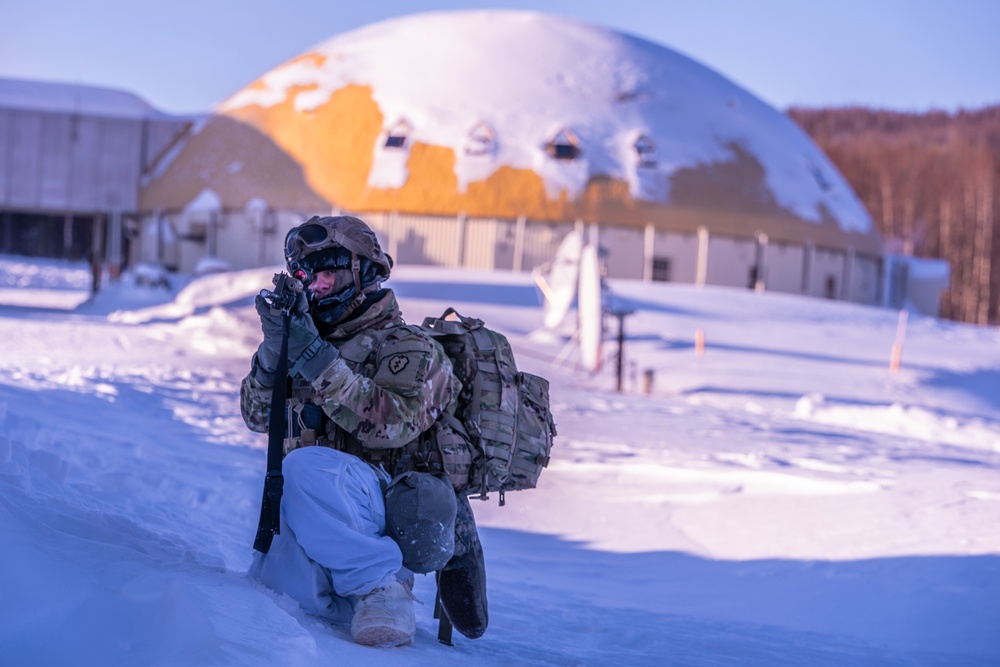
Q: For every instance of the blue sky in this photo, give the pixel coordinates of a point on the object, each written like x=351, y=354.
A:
x=185, y=56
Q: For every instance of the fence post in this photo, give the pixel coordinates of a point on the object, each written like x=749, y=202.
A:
x=519, y=231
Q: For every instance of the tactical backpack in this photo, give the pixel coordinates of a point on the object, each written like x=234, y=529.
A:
x=504, y=412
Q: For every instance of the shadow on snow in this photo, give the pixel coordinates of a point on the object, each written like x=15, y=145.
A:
x=681, y=609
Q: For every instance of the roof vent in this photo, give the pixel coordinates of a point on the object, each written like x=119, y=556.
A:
x=564, y=146
x=482, y=140
x=398, y=134
x=645, y=151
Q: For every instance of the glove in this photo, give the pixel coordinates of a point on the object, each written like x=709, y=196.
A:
x=266, y=360
x=308, y=354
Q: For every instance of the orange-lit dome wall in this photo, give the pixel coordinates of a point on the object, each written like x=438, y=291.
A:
x=516, y=116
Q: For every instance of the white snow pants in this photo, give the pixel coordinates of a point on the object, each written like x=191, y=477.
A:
x=332, y=543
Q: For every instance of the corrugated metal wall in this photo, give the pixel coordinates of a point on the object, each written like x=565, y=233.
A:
x=246, y=239
x=61, y=162
x=730, y=261
x=680, y=254
x=428, y=240
x=490, y=243
x=827, y=274
x=866, y=279
x=784, y=268
x=626, y=251
x=65, y=162
x=485, y=243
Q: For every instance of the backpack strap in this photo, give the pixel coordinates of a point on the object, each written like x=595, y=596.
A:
x=457, y=326
x=493, y=424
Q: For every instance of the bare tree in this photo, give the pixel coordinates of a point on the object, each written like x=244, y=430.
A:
x=929, y=182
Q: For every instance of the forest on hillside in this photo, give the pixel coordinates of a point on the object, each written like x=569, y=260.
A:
x=931, y=182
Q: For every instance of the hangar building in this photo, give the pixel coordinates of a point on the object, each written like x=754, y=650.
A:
x=72, y=160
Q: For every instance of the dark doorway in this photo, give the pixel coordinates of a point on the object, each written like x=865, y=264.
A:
x=45, y=235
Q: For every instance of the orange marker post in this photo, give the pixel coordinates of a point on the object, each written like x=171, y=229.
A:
x=896, y=357
x=699, y=342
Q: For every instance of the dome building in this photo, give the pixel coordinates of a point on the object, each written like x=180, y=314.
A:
x=482, y=138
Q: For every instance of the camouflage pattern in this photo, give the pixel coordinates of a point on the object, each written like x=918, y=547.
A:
x=535, y=431
x=255, y=403
x=410, y=385
x=389, y=386
x=505, y=412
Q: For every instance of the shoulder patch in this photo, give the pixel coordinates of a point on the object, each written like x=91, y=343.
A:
x=398, y=363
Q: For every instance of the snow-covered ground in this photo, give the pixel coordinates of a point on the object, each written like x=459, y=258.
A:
x=782, y=499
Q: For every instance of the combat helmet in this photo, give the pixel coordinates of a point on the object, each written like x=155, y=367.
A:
x=338, y=242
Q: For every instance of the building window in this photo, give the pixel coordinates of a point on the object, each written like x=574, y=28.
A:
x=661, y=269
x=482, y=140
x=397, y=135
x=645, y=151
x=564, y=146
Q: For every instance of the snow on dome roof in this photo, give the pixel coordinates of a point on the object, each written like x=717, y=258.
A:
x=73, y=98
x=530, y=77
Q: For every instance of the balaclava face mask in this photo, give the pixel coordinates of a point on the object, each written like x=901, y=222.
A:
x=333, y=308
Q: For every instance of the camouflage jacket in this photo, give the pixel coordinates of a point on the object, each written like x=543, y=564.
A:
x=390, y=385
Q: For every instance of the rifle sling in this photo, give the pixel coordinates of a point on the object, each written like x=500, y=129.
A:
x=270, y=507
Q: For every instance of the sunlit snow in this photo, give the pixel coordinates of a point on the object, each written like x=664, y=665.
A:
x=782, y=499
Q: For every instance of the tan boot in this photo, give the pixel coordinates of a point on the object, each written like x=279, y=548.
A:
x=385, y=617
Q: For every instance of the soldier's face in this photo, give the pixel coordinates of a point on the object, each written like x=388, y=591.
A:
x=325, y=283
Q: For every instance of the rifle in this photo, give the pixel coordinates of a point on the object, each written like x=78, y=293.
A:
x=281, y=299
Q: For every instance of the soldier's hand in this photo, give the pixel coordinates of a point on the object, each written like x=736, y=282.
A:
x=301, y=304
x=270, y=323
x=308, y=353
x=301, y=333
x=270, y=348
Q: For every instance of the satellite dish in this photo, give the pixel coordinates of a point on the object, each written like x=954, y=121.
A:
x=589, y=309
x=562, y=280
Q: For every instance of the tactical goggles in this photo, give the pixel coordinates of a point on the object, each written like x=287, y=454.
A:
x=306, y=239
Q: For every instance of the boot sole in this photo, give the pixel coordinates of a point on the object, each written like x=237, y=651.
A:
x=381, y=636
